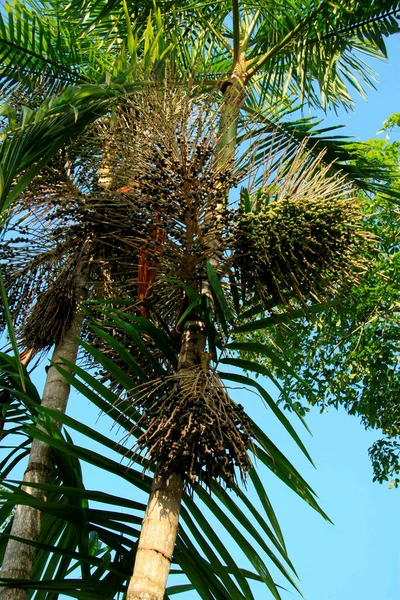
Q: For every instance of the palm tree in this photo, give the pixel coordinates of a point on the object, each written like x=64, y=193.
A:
x=267, y=57
x=61, y=299
x=80, y=244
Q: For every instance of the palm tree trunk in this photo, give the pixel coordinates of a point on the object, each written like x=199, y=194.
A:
x=160, y=524
x=157, y=539
x=19, y=557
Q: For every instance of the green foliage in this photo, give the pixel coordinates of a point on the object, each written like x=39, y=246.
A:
x=5, y=521
x=390, y=123
x=385, y=457
x=97, y=56
x=74, y=514
x=348, y=354
x=40, y=51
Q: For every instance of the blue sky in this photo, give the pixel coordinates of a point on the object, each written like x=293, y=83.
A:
x=366, y=120
x=358, y=557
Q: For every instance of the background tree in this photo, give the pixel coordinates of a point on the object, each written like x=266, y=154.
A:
x=347, y=354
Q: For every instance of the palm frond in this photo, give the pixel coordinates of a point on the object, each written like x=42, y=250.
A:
x=277, y=133
x=266, y=449
x=68, y=518
x=39, y=53
x=316, y=51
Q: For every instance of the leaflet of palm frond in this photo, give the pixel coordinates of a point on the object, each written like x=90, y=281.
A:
x=146, y=355
x=301, y=235
x=192, y=426
x=4, y=401
x=5, y=396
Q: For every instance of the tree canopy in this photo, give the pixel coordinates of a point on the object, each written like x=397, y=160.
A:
x=147, y=149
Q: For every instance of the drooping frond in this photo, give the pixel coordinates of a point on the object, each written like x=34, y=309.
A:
x=315, y=50
x=269, y=129
x=41, y=55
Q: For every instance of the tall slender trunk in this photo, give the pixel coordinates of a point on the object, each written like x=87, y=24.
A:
x=19, y=557
x=160, y=524
x=157, y=539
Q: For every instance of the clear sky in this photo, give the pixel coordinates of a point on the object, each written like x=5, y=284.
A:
x=359, y=557
x=366, y=120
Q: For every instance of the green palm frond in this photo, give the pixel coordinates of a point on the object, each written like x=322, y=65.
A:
x=277, y=132
x=70, y=520
x=315, y=50
x=39, y=53
x=265, y=450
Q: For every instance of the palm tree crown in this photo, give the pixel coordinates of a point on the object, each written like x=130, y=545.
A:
x=190, y=101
